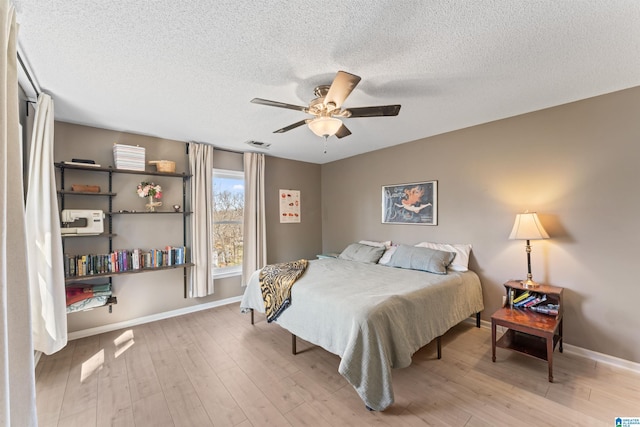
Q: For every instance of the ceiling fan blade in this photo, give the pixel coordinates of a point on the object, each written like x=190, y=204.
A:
x=288, y=128
x=381, y=110
x=277, y=104
x=343, y=131
x=341, y=87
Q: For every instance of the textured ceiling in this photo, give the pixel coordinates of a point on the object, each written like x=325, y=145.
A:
x=186, y=70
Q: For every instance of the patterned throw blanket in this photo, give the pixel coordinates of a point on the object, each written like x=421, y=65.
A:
x=276, y=281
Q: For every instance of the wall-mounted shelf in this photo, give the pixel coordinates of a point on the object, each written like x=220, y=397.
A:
x=68, y=236
x=74, y=279
x=147, y=213
x=109, y=234
x=84, y=193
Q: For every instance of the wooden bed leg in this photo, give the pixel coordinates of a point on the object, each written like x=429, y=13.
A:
x=252, y=316
x=439, y=345
x=293, y=344
x=477, y=319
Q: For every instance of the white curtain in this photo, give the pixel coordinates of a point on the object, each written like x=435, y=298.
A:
x=254, y=235
x=44, y=244
x=17, y=394
x=201, y=166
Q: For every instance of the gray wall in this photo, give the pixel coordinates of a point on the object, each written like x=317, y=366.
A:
x=287, y=242
x=153, y=293
x=576, y=165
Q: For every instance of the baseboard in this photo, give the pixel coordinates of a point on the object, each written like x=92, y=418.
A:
x=152, y=318
x=602, y=358
x=583, y=352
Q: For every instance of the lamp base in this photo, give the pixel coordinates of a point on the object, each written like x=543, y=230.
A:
x=529, y=283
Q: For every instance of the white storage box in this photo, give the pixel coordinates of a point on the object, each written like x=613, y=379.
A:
x=128, y=157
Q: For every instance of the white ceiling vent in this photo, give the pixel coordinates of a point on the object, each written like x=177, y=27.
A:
x=258, y=144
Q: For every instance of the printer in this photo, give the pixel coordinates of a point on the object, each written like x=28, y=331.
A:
x=91, y=222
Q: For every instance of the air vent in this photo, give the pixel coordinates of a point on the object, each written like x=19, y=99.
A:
x=258, y=144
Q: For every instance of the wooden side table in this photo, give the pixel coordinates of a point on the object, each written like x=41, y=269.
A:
x=528, y=332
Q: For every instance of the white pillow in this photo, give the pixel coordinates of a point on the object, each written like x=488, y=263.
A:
x=461, y=260
x=385, y=244
x=386, y=257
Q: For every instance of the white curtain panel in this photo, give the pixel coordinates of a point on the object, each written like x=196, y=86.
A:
x=44, y=244
x=201, y=167
x=17, y=389
x=255, y=242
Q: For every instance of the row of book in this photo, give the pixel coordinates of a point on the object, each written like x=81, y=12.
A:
x=525, y=300
x=123, y=260
x=534, y=302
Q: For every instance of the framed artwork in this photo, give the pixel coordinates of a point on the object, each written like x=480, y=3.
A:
x=289, y=206
x=414, y=203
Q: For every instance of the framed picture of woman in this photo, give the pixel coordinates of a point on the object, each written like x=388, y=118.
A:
x=413, y=203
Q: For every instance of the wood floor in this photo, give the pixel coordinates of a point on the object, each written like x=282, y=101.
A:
x=214, y=368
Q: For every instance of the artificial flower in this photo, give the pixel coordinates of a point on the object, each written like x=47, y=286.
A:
x=146, y=189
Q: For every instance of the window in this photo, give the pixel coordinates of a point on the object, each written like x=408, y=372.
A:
x=228, y=211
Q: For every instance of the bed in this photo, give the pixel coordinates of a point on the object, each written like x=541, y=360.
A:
x=373, y=316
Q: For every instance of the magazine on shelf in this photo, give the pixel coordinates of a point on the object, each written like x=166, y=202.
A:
x=91, y=165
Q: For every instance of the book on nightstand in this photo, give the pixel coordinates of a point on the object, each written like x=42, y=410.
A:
x=550, y=309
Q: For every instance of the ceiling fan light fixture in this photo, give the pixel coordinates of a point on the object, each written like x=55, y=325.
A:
x=325, y=126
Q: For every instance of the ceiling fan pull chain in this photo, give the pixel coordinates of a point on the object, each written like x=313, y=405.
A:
x=325, y=143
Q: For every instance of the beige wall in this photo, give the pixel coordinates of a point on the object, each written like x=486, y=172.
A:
x=153, y=293
x=287, y=242
x=576, y=165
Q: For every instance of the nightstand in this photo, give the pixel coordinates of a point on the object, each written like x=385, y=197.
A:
x=529, y=332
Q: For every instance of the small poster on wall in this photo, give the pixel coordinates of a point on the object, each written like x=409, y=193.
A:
x=289, y=205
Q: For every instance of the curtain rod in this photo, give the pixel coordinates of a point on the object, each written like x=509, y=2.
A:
x=28, y=74
x=228, y=150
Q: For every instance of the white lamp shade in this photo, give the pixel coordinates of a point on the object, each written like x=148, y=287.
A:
x=528, y=227
x=325, y=126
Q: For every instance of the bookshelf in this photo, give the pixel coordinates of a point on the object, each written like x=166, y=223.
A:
x=65, y=195
x=530, y=332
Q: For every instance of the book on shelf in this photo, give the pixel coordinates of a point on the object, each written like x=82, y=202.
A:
x=536, y=301
x=521, y=297
x=531, y=301
x=522, y=303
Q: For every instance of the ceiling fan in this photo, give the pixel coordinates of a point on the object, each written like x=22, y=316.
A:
x=327, y=108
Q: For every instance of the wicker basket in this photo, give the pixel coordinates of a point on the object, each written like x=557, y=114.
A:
x=164, y=165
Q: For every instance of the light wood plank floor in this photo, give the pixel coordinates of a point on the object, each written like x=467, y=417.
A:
x=214, y=368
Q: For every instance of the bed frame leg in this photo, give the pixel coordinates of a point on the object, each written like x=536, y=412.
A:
x=439, y=345
x=477, y=319
x=293, y=344
x=252, y=316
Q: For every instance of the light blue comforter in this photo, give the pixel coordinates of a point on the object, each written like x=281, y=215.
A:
x=374, y=317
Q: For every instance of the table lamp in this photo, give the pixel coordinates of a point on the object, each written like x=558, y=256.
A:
x=527, y=227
